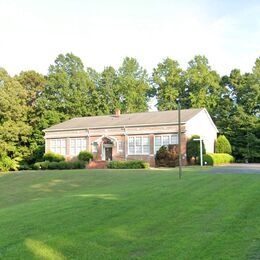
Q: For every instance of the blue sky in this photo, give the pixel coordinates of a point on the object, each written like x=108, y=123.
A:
x=103, y=32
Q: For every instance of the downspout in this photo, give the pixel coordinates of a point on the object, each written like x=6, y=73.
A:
x=88, y=140
x=125, y=143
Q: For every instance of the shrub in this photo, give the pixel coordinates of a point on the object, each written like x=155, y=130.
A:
x=193, y=148
x=134, y=164
x=53, y=157
x=217, y=158
x=85, y=156
x=167, y=156
x=223, y=145
x=8, y=164
x=59, y=165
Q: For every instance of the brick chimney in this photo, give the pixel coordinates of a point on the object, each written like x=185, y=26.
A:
x=117, y=112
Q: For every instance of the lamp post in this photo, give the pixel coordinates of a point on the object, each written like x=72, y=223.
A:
x=179, y=136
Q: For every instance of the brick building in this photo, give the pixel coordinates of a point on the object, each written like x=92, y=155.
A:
x=129, y=136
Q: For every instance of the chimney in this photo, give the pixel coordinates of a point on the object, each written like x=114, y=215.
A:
x=117, y=112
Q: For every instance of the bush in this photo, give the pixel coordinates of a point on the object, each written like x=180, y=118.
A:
x=85, y=156
x=167, y=156
x=53, y=157
x=59, y=165
x=8, y=164
x=223, y=145
x=193, y=149
x=217, y=158
x=134, y=164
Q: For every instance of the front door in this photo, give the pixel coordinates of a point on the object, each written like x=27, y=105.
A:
x=108, y=153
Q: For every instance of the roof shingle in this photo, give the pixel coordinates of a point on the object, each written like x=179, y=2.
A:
x=133, y=119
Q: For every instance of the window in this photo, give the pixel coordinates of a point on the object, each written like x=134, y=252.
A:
x=77, y=145
x=94, y=147
x=138, y=145
x=160, y=140
x=120, y=146
x=58, y=146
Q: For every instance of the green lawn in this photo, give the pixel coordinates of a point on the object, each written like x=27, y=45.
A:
x=121, y=214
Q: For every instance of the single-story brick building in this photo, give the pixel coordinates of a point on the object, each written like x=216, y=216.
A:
x=129, y=136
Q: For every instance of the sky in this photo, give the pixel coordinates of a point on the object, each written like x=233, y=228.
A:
x=102, y=32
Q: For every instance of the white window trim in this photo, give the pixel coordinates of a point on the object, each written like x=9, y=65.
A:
x=134, y=136
x=169, y=135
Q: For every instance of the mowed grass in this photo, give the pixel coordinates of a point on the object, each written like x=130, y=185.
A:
x=122, y=214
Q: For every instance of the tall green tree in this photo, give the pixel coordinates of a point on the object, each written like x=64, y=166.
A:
x=14, y=130
x=169, y=85
x=202, y=85
x=34, y=84
x=109, y=90
x=133, y=86
x=68, y=92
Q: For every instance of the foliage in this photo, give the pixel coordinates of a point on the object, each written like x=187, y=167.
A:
x=61, y=165
x=217, y=158
x=167, y=156
x=8, y=164
x=169, y=85
x=223, y=145
x=193, y=149
x=53, y=157
x=85, y=156
x=31, y=102
x=133, y=86
x=133, y=164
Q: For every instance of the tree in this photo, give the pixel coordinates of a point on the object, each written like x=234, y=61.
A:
x=133, y=86
x=168, y=84
x=69, y=90
x=14, y=129
x=223, y=145
x=34, y=85
x=202, y=85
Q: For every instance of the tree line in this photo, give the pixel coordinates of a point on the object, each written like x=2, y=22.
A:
x=31, y=102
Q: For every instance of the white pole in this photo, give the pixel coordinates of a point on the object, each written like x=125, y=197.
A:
x=201, y=156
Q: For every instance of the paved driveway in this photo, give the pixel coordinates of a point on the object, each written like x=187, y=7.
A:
x=236, y=168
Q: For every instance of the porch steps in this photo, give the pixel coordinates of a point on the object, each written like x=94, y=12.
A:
x=97, y=165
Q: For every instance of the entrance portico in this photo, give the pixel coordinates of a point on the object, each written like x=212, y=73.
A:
x=107, y=144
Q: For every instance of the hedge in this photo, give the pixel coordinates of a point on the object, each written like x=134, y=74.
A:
x=223, y=145
x=217, y=158
x=134, y=164
x=85, y=156
x=59, y=165
x=53, y=157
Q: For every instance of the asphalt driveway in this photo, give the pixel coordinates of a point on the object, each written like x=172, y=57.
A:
x=248, y=168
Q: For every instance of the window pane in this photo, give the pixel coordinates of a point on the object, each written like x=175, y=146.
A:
x=166, y=140
x=157, y=148
x=131, y=140
x=138, y=149
x=158, y=140
x=174, y=139
x=120, y=145
x=138, y=140
x=146, y=149
x=84, y=144
x=145, y=140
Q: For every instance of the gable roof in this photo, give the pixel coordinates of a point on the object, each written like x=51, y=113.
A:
x=133, y=119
